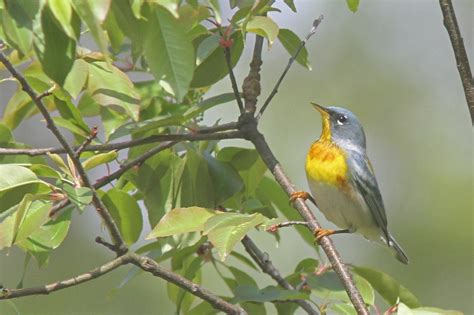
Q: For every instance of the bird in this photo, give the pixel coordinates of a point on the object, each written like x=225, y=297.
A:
x=342, y=181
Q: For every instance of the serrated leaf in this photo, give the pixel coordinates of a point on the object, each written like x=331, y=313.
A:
x=169, y=52
x=110, y=87
x=353, y=5
x=126, y=214
x=263, y=26
x=99, y=159
x=388, y=287
x=292, y=42
x=226, y=229
x=182, y=220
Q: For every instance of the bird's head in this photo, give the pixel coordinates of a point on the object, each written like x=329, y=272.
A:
x=341, y=126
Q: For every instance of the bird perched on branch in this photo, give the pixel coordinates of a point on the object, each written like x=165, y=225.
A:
x=342, y=180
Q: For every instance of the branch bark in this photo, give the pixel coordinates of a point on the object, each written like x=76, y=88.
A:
x=462, y=62
x=221, y=132
x=121, y=248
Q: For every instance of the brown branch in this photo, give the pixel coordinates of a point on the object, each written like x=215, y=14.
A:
x=251, y=87
x=149, y=265
x=105, y=215
x=90, y=137
x=462, y=62
x=249, y=126
x=219, y=132
x=63, y=284
x=275, y=227
x=264, y=262
x=143, y=262
x=288, y=66
x=233, y=81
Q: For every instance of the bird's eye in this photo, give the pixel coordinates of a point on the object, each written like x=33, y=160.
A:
x=341, y=119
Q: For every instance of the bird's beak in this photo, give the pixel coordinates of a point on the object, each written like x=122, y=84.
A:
x=321, y=109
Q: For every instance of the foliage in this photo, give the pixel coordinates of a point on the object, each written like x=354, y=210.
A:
x=200, y=198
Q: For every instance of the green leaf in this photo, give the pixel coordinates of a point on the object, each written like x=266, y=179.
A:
x=226, y=229
x=56, y=51
x=343, y=309
x=17, y=181
x=388, y=287
x=329, y=286
x=353, y=5
x=18, y=30
x=214, y=68
x=126, y=213
x=247, y=163
x=263, y=26
x=63, y=13
x=248, y=293
x=291, y=42
x=241, y=277
x=93, y=13
x=203, y=308
x=77, y=77
x=18, y=108
x=182, y=220
x=48, y=237
x=99, y=159
x=244, y=260
x=169, y=52
x=42, y=170
x=405, y=310
x=225, y=179
x=110, y=87
x=80, y=196
x=196, y=186
x=307, y=265
x=31, y=214
x=290, y=4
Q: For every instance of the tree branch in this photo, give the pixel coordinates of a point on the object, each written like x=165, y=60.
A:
x=460, y=54
x=290, y=62
x=105, y=215
x=219, y=132
x=149, y=265
x=63, y=284
x=228, y=60
x=251, y=87
x=264, y=262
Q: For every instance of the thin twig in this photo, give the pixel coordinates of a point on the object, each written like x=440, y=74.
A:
x=275, y=227
x=460, y=54
x=90, y=137
x=206, y=133
x=48, y=92
x=228, y=60
x=63, y=284
x=264, y=262
x=105, y=215
x=251, y=87
x=290, y=62
x=149, y=265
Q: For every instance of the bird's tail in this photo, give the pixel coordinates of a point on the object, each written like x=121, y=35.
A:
x=399, y=253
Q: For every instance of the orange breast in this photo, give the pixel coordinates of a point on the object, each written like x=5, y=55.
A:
x=326, y=163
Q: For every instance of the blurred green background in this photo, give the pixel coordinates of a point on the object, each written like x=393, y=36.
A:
x=392, y=64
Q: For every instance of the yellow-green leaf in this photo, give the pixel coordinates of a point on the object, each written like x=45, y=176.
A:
x=263, y=26
x=99, y=159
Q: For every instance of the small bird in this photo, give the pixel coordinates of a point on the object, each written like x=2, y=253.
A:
x=342, y=180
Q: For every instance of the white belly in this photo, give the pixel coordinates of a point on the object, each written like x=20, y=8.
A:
x=345, y=211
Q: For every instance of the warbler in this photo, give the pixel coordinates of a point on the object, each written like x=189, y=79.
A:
x=342, y=180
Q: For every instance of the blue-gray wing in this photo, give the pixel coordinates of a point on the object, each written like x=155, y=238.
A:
x=363, y=178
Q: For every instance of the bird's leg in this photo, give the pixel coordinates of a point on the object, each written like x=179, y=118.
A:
x=303, y=195
x=319, y=233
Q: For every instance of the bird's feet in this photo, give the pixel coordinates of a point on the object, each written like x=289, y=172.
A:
x=303, y=195
x=320, y=233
